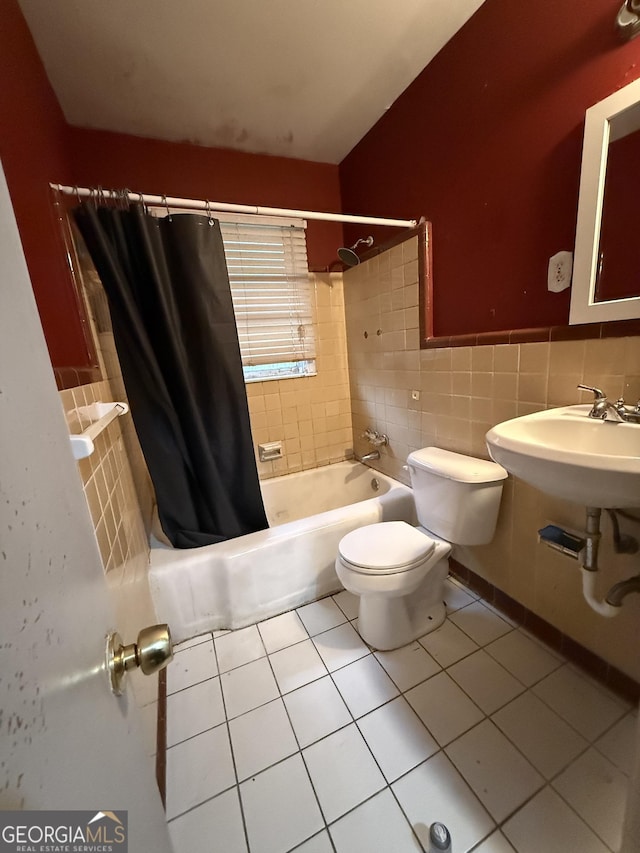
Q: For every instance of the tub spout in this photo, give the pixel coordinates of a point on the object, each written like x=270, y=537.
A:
x=370, y=457
x=621, y=590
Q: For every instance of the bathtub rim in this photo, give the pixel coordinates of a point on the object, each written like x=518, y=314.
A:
x=279, y=531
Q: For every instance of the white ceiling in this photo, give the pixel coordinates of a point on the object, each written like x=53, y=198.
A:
x=297, y=78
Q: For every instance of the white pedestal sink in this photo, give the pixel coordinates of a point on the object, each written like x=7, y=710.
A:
x=565, y=453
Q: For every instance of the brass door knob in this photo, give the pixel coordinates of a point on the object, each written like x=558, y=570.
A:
x=151, y=653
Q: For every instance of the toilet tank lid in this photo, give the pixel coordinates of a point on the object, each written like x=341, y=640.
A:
x=456, y=466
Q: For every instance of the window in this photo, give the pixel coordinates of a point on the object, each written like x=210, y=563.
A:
x=272, y=297
x=271, y=293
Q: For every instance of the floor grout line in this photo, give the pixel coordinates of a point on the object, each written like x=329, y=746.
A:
x=295, y=735
x=233, y=757
x=547, y=782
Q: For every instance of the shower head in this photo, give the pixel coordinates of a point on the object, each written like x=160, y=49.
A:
x=348, y=256
x=628, y=20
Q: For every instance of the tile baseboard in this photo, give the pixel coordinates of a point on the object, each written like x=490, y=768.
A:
x=616, y=680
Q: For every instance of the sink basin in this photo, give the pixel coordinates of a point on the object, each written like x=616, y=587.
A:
x=565, y=453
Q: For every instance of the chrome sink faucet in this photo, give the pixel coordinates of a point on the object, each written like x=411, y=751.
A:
x=620, y=412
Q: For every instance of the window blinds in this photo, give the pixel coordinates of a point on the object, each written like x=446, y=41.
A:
x=272, y=295
x=271, y=291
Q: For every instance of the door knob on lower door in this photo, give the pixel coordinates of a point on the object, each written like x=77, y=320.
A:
x=151, y=653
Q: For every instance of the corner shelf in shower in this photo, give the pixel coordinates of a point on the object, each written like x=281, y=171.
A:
x=101, y=415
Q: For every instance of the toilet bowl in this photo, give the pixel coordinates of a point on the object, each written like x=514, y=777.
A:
x=398, y=570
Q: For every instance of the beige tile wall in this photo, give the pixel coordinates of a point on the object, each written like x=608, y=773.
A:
x=381, y=308
x=311, y=415
x=462, y=393
x=121, y=527
x=108, y=484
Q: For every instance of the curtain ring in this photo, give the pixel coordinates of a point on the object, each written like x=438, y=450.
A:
x=166, y=204
x=209, y=214
x=77, y=192
x=125, y=199
x=141, y=203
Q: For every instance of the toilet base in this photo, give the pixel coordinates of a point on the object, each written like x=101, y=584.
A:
x=387, y=623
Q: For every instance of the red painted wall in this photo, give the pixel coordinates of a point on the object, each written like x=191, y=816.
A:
x=619, y=241
x=37, y=147
x=486, y=143
x=116, y=160
x=33, y=149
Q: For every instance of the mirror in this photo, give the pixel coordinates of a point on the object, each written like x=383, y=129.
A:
x=606, y=270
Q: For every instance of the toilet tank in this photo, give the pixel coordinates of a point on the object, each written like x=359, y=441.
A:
x=457, y=497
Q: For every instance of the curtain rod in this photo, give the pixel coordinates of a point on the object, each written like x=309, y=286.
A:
x=170, y=201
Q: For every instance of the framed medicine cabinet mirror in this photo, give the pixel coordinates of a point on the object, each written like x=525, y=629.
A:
x=606, y=269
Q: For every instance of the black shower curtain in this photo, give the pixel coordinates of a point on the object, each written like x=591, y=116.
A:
x=168, y=289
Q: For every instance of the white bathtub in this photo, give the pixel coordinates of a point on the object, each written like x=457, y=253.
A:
x=241, y=581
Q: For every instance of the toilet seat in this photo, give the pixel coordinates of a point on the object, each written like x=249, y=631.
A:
x=385, y=548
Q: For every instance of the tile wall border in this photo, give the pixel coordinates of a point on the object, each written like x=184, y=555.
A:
x=587, y=331
x=605, y=673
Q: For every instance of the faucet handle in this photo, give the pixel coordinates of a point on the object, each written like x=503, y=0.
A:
x=375, y=438
x=598, y=394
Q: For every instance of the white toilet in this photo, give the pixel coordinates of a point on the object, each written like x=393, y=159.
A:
x=398, y=570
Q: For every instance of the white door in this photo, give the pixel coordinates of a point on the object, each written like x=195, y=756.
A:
x=65, y=741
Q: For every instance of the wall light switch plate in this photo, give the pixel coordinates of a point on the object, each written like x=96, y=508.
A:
x=560, y=269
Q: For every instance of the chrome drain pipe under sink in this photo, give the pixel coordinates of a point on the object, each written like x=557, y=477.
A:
x=612, y=605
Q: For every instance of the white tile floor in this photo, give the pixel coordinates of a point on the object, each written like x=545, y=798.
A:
x=292, y=735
